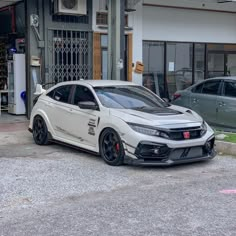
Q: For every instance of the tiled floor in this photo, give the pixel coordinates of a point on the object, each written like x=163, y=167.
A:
x=10, y=123
x=8, y=118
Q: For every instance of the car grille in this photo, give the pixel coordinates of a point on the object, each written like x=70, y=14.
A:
x=178, y=134
x=186, y=153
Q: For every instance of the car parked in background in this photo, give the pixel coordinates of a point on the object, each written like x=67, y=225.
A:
x=121, y=121
x=214, y=99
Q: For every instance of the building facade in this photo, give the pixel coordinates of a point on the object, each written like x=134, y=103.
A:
x=187, y=42
x=179, y=42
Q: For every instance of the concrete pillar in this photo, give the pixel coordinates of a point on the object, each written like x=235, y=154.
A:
x=32, y=74
x=116, y=39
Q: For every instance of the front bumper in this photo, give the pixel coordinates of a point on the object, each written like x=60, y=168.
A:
x=162, y=155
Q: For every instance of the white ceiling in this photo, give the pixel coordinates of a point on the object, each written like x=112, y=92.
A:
x=5, y=3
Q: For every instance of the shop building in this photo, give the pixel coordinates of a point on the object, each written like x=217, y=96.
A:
x=187, y=41
x=58, y=42
x=178, y=42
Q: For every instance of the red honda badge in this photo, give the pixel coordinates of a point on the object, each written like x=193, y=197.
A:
x=187, y=135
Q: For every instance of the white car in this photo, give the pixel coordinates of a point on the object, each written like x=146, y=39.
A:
x=121, y=121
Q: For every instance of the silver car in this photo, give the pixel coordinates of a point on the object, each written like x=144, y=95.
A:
x=214, y=99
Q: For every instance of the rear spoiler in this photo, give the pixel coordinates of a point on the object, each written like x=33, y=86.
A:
x=39, y=90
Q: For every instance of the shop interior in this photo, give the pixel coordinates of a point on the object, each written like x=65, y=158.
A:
x=12, y=54
x=172, y=66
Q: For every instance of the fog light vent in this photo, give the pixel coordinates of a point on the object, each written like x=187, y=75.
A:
x=151, y=150
x=209, y=145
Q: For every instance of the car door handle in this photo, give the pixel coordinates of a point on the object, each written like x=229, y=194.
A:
x=221, y=104
x=195, y=100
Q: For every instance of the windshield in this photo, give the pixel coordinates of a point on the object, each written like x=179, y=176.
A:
x=128, y=97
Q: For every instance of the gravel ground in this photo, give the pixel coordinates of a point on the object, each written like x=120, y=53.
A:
x=55, y=190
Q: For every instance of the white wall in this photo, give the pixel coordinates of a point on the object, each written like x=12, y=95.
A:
x=169, y=24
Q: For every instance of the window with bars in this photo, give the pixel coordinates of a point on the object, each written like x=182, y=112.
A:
x=69, y=55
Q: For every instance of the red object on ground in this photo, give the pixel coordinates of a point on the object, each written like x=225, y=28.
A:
x=228, y=191
x=11, y=127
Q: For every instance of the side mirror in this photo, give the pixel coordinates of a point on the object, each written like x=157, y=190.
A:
x=88, y=105
x=39, y=90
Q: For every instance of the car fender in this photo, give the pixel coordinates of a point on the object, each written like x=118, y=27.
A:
x=43, y=114
x=118, y=124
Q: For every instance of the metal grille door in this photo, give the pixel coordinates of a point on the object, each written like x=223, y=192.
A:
x=68, y=56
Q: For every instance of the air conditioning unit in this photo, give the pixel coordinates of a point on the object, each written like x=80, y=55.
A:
x=130, y=5
x=70, y=7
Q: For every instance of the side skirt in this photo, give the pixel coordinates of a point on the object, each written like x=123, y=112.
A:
x=50, y=138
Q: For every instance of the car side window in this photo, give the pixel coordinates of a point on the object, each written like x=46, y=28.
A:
x=51, y=94
x=61, y=94
x=82, y=94
x=197, y=89
x=211, y=87
x=230, y=89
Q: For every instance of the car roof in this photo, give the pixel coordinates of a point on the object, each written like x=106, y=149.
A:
x=210, y=79
x=223, y=77
x=98, y=83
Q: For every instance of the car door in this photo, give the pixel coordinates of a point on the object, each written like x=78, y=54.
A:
x=196, y=97
x=226, y=109
x=59, y=109
x=85, y=121
x=204, y=99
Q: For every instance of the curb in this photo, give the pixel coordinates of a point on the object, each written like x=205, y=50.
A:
x=225, y=148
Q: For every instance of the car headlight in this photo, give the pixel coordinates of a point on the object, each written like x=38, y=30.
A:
x=203, y=128
x=147, y=130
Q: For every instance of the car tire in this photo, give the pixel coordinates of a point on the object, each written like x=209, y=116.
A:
x=111, y=147
x=40, y=131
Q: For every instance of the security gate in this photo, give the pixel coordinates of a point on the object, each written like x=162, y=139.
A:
x=69, y=55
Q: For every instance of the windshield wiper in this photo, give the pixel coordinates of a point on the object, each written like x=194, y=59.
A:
x=140, y=108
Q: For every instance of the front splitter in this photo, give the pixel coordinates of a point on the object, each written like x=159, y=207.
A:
x=167, y=162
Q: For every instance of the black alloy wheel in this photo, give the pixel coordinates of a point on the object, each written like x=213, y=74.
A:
x=111, y=148
x=40, y=131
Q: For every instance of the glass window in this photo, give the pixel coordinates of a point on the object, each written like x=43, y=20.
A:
x=199, y=64
x=153, y=59
x=215, y=64
x=149, y=82
x=230, y=89
x=62, y=93
x=221, y=60
x=215, y=47
x=104, y=40
x=104, y=64
x=198, y=88
x=51, y=94
x=179, y=66
x=231, y=64
x=211, y=87
x=104, y=46
x=83, y=94
x=128, y=97
x=104, y=57
x=221, y=47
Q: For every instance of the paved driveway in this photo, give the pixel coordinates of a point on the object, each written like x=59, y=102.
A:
x=55, y=190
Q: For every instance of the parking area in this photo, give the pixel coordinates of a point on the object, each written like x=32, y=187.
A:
x=55, y=190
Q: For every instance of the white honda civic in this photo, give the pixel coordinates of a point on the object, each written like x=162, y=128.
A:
x=121, y=121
